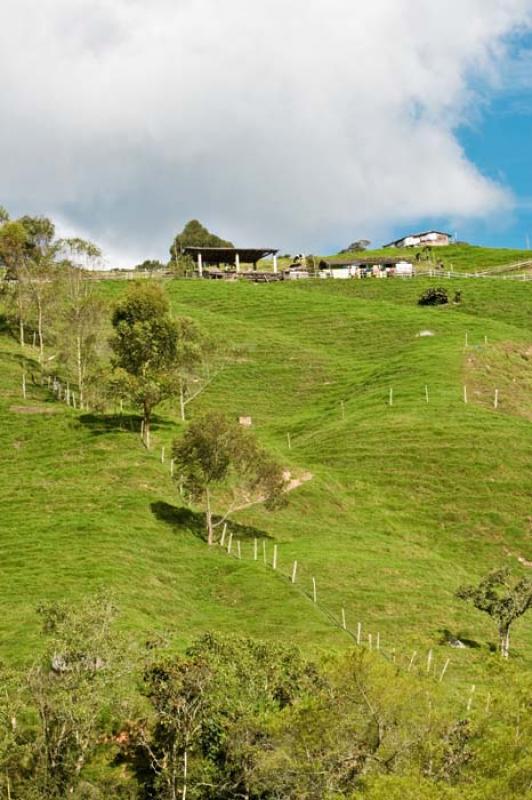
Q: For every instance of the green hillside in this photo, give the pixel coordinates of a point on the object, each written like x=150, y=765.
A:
x=455, y=257
x=406, y=501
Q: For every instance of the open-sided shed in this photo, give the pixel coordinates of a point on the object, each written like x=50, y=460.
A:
x=230, y=256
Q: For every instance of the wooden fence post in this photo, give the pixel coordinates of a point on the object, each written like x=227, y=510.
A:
x=314, y=591
x=172, y=467
x=274, y=560
x=344, y=623
x=378, y=640
x=359, y=632
x=414, y=654
x=162, y=455
x=465, y=393
x=289, y=441
x=264, y=551
x=427, y=393
x=224, y=531
x=391, y=397
x=429, y=661
x=470, y=701
x=24, y=385
x=255, y=550
x=230, y=543
x=294, y=571
x=238, y=549
x=496, y=399
x=370, y=641
x=444, y=670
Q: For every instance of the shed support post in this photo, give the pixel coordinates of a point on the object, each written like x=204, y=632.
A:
x=237, y=262
x=200, y=266
x=275, y=263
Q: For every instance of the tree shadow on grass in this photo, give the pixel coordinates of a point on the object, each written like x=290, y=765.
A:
x=194, y=521
x=100, y=424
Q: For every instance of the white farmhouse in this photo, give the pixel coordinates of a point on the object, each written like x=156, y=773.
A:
x=424, y=239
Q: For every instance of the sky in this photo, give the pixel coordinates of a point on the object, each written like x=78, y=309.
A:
x=297, y=124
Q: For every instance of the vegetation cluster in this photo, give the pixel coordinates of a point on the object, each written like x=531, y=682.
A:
x=234, y=717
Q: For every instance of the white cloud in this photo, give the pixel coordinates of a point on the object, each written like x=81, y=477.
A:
x=293, y=123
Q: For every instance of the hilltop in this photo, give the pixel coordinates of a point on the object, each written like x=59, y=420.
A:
x=406, y=501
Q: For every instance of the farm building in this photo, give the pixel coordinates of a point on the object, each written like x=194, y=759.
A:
x=229, y=257
x=366, y=267
x=427, y=238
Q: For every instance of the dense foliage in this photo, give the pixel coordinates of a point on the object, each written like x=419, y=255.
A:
x=194, y=234
x=434, y=297
x=238, y=718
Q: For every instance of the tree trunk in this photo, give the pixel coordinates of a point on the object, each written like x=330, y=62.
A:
x=185, y=774
x=79, y=363
x=182, y=401
x=208, y=518
x=39, y=331
x=504, y=640
x=146, y=427
x=21, y=330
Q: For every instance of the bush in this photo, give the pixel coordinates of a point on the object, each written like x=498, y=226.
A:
x=434, y=297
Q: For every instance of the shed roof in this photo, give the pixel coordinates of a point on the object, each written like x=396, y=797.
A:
x=227, y=255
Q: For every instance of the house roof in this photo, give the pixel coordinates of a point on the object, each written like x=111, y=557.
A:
x=423, y=233
x=227, y=255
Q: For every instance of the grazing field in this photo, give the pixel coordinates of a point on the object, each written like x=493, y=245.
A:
x=457, y=257
x=408, y=498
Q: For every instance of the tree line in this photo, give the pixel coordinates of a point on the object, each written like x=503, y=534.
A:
x=233, y=717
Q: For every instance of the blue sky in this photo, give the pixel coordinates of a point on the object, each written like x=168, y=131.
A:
x=498, y=140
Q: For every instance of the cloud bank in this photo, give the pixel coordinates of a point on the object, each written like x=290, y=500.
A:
x=295, y=123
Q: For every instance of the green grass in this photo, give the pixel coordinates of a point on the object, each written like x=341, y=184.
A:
x=406, y=501
x=456, y=257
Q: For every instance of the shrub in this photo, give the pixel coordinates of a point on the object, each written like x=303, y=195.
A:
x=434, y=297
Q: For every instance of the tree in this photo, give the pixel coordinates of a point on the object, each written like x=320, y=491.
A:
x=210, y=708
x=217, y=460
x=4, y=215
x=28, y=251
x=40, y=273
x=198, y=361
x=150, y=265
x=182, y=266
x=58, y=718
x=80, y=253
x=357, y=247
x=13, y=255
x=82, y=315
x=145, y=346
x=194, y=234
x=311, y=263
x=503, y=599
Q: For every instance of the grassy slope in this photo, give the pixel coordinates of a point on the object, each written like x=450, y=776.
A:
x=457, y=257
x=406, y=501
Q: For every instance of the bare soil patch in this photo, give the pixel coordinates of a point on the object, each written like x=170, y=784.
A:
x=33, y=410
